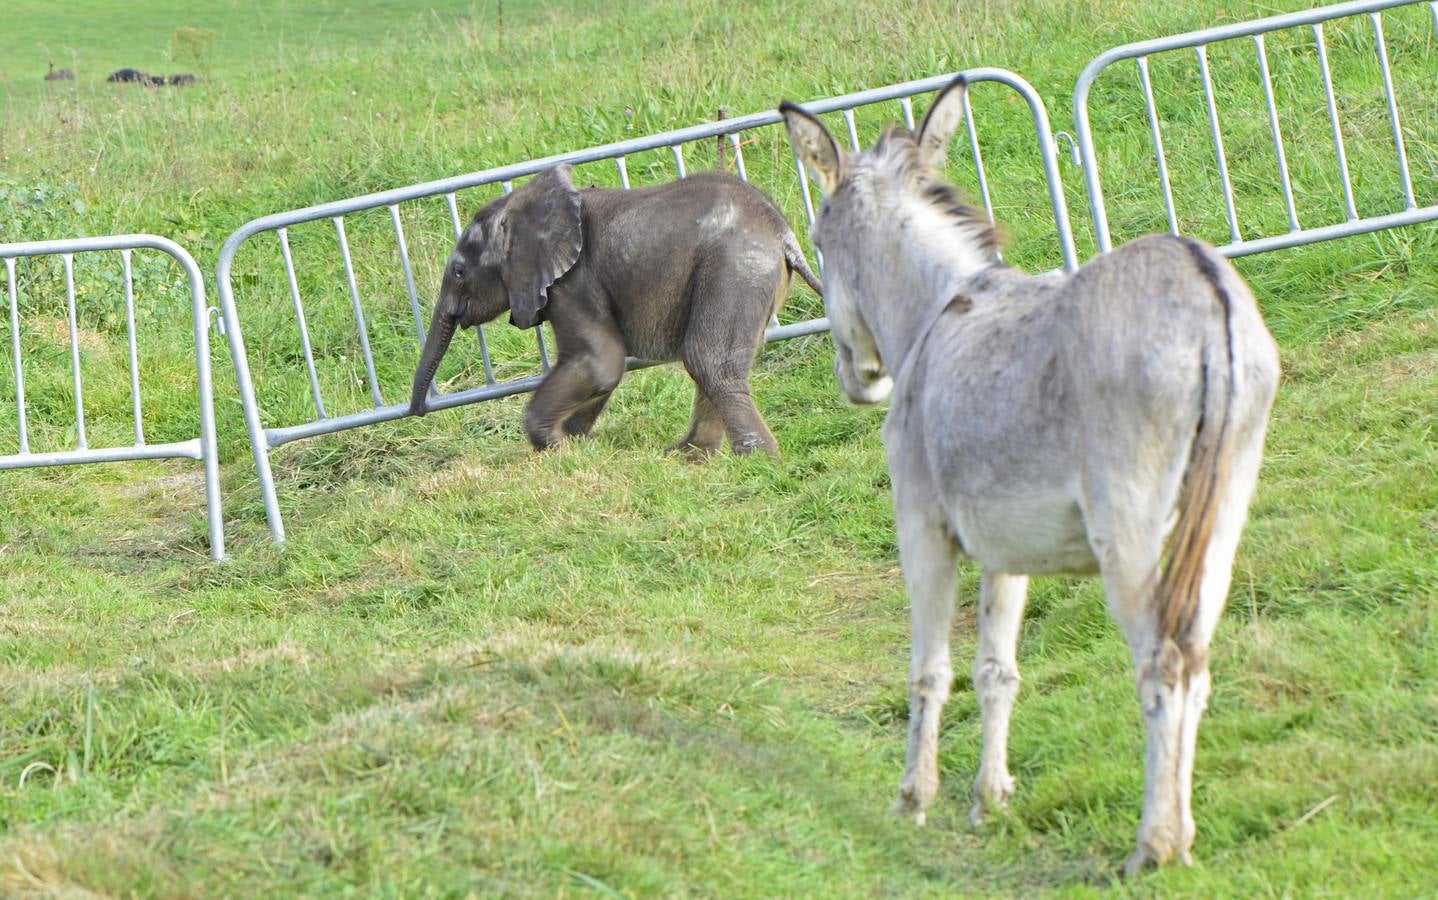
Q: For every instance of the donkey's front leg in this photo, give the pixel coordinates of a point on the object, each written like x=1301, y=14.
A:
x=996, y=682
x=929, y=556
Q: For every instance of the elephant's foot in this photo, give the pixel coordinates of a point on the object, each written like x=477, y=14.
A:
x=692, y=452
x=544, y=440
x=751, y=442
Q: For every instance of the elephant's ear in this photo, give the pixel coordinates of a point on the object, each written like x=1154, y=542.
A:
x=543, y=238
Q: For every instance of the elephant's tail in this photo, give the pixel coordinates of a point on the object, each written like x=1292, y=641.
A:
x=794, y=255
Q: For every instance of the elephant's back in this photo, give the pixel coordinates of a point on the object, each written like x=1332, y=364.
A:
x=698, y=207
x=657, y=248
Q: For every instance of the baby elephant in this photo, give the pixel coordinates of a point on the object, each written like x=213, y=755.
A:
x=691, y=270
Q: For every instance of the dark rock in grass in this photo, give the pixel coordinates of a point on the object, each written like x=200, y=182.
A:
x=135, y=76
x=129, y=75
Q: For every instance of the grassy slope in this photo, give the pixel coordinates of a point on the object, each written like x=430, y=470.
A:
x=476, y=669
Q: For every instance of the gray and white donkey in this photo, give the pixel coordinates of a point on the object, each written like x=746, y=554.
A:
x=1044, y=424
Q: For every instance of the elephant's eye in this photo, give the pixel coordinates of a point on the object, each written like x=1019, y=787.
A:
x=459, y=271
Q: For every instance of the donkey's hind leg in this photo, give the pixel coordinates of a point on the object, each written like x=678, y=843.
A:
x=1128, y=549
x=928, y=555
x=1213, y=596
x=996, y=682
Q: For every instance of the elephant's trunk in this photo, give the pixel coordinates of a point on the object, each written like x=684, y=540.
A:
x=441, y=331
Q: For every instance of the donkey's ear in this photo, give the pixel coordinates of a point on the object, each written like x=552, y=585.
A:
x=941, y=121
x=814, y=145
x=542, y=239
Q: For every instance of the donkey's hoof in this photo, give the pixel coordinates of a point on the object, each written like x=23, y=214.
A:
x=1139, y=860
x=977, y=814
x=905, y=807
x=1153, y=853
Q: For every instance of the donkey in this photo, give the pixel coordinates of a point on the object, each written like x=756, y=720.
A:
x=1044, y=424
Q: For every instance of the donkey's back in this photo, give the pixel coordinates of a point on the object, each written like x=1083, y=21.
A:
x=1041, y=399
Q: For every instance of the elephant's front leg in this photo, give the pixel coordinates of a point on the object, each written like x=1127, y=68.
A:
x=566, y=392
x=928, y=555
x=582, y=420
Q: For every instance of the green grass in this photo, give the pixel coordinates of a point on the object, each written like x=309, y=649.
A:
x=475, y=670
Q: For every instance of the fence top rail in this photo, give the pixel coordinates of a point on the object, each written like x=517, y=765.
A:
x=592, y=154
x=90, y=244
x=1223, y=33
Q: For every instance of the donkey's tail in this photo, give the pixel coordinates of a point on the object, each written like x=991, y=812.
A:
x=1204, y=481
x=794, y=256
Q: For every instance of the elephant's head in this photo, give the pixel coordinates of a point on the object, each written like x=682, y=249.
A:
x=508, y=257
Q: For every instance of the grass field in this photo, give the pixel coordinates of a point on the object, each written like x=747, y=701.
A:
x=477, y=671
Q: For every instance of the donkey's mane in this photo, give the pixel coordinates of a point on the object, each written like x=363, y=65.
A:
x=898, y=151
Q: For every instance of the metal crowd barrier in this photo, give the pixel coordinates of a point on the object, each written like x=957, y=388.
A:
x=1245, y=235
x=1238, y=243
x=263, y=439
x=201, y=447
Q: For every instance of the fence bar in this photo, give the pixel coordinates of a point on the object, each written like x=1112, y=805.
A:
x=359, y=313
x=979, y=166
x=209, y=448
x=907, y=106
x=69, y=259
x=191, y=449
x=853, y=131
x=623, y=167
x=1158, y=153
x=738, y=156
x=804, y=190
x=15, y=349
x=1202, y=51
x=978, y=158
x=543, y=348
x=679, y=159
x=1330, y=232
x=1319, y=43
x=134, y=353
x=1283, y=177
x=408, y=273
x=1392, y=110
x=453, y=214
x=303, y=325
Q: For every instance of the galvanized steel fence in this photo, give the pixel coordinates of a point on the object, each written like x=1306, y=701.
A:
x=1306, y=59
x=736, y=133
x=201, y=447
x=322, y=390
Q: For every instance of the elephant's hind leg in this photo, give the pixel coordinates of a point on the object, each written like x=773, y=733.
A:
x=729, y=310
x=706, y=428
x=728, y=391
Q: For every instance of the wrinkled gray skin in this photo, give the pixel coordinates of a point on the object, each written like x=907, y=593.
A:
x=690, y=270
